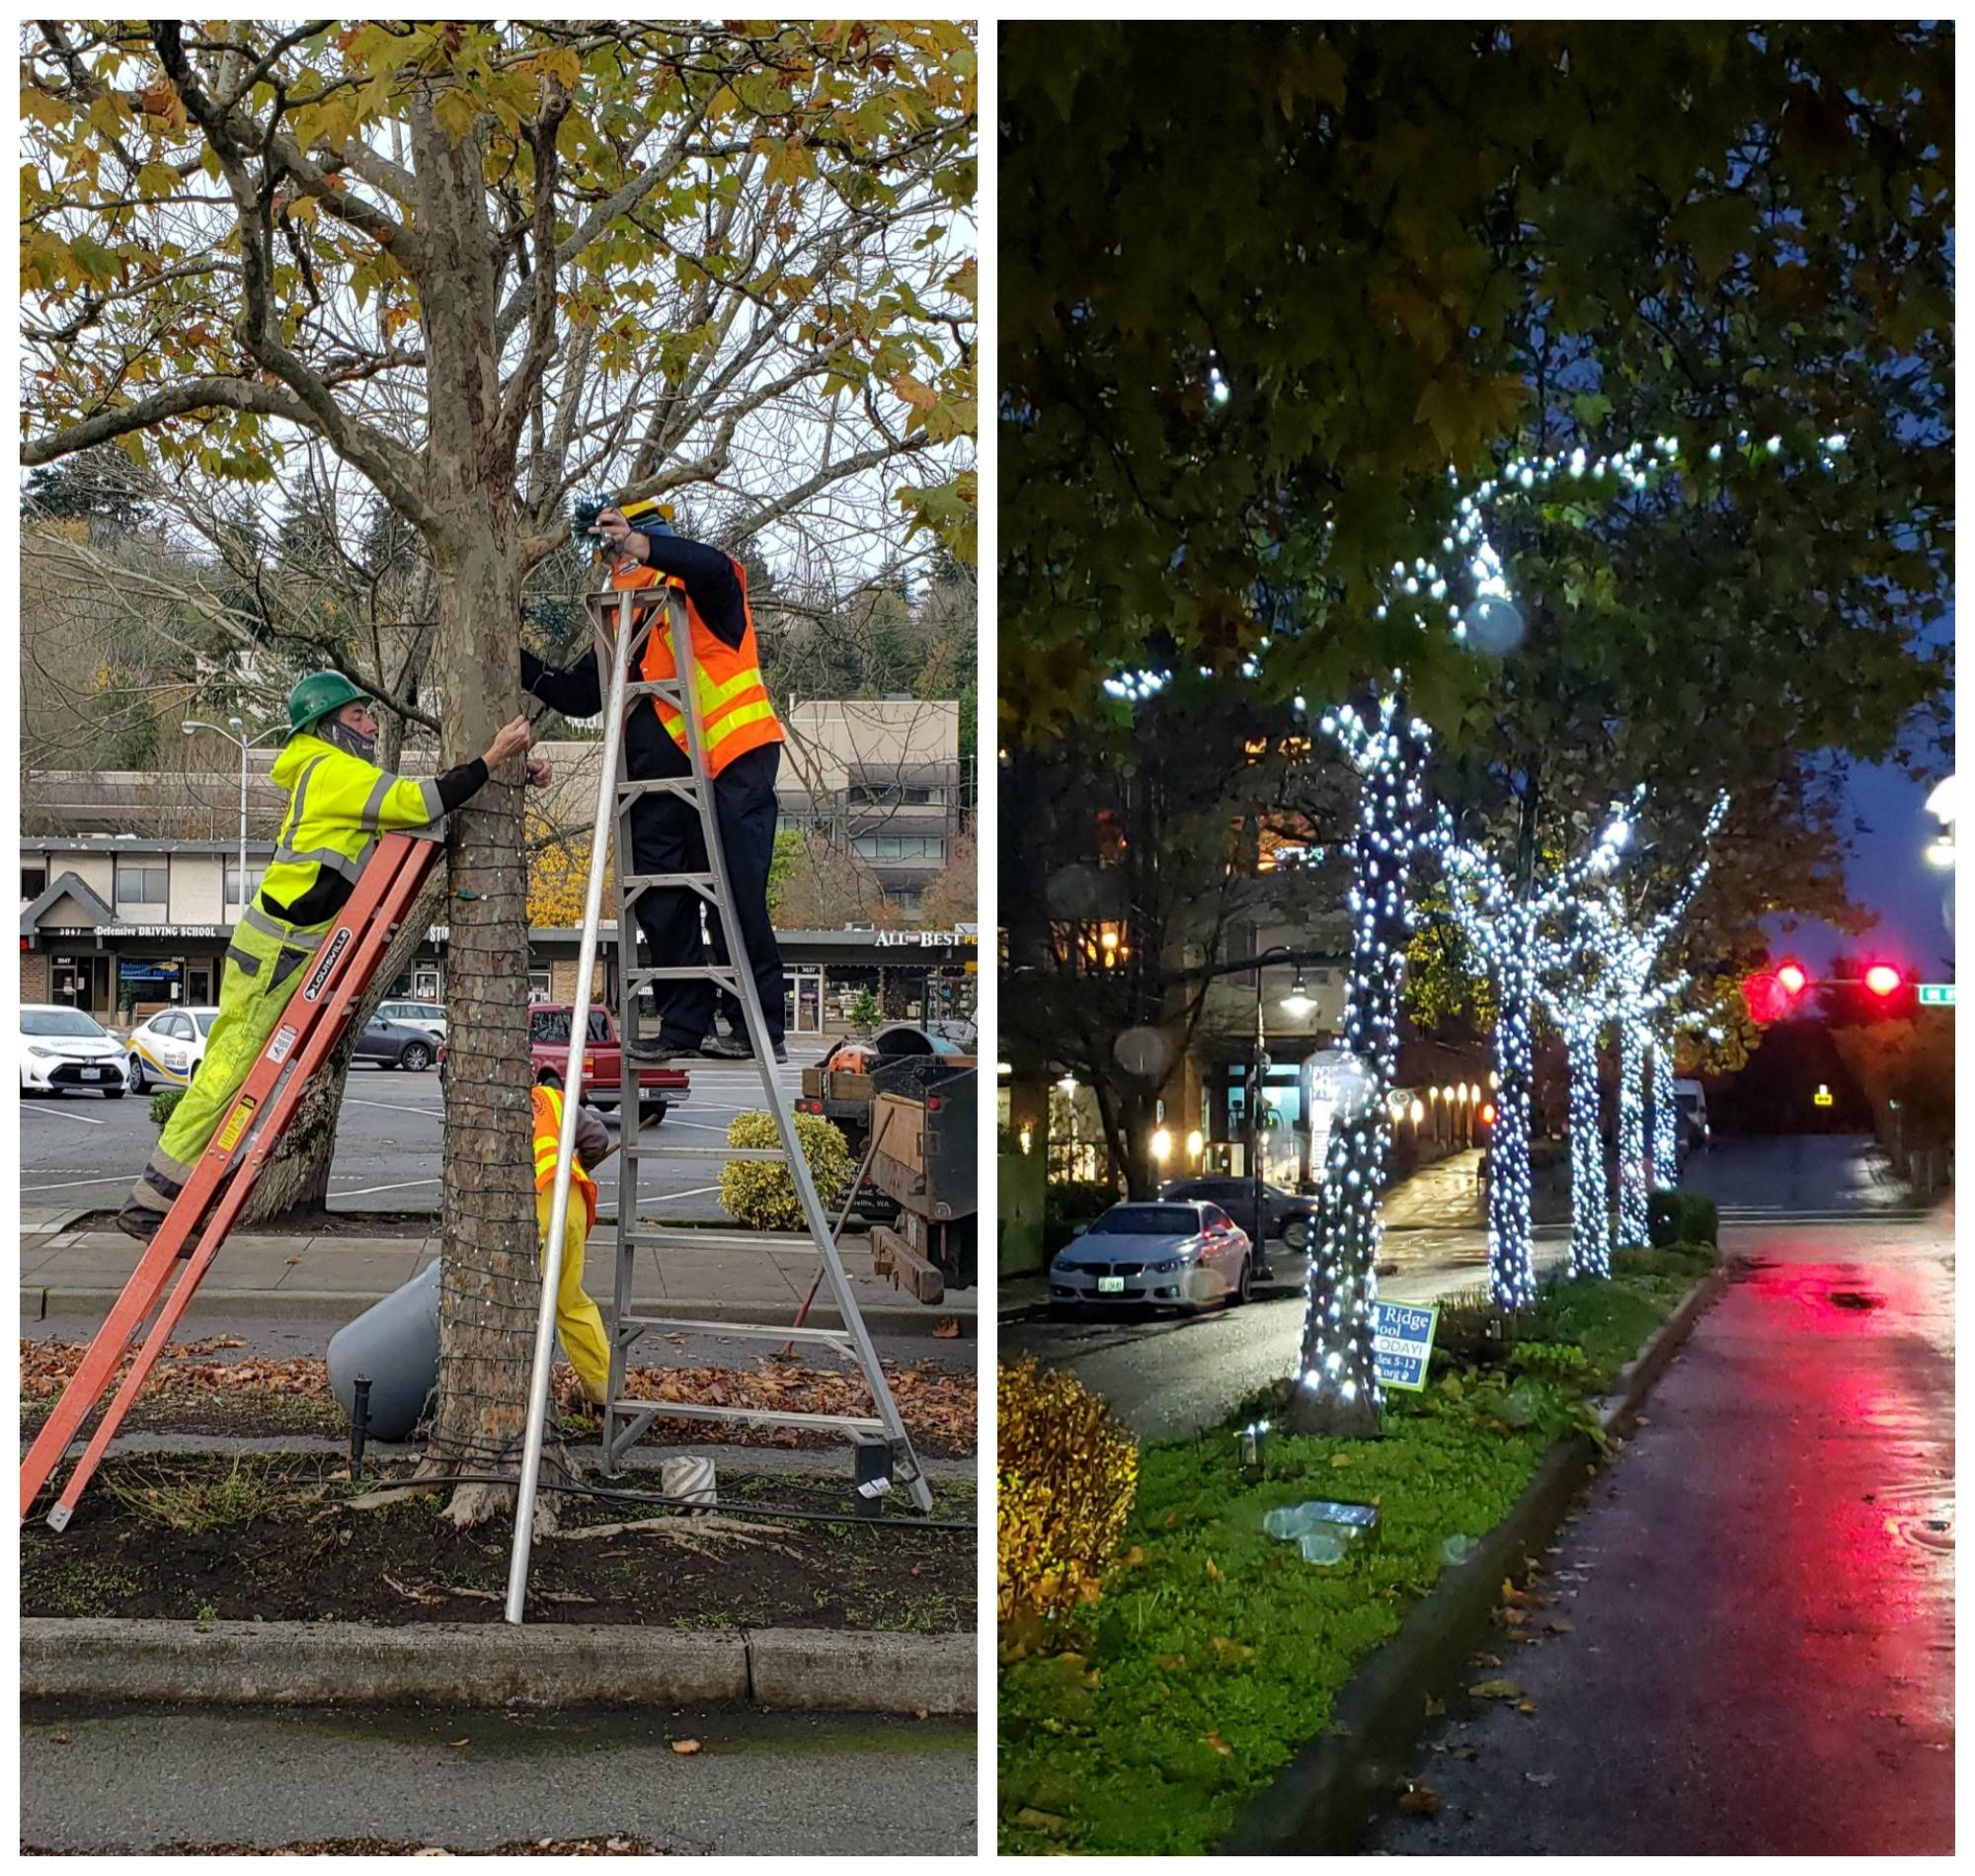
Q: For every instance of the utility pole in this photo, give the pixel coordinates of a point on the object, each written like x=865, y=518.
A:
x=236, y=735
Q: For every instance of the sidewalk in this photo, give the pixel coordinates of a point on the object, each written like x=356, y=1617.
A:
x=1756, y=1611
x=334, y=1278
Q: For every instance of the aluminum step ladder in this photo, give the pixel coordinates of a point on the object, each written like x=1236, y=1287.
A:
x=183, y=1248
x=628, y=619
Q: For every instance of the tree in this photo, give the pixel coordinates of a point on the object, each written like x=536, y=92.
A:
x=441, y=250
x=954, y=898
x=825, y=888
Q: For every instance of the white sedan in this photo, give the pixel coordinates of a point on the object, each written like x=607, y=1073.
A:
x=1174, y=1254
x=65, y=1050
x=165, y=1051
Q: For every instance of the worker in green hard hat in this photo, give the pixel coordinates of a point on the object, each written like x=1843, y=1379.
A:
x=340, y=805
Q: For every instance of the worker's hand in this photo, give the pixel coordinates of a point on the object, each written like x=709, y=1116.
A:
x=539, y=772
x=612, y=527
x=510, y=740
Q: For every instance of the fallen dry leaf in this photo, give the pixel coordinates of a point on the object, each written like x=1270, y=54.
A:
x=1220, y=1746
x=1030, y=1819
x=462, y=1742
x=1495, y=1691
x=1213, y=1571
x=685, y=1747
x=1230, y=1650
x=947, y=1329
x=1420, y=1801
x=1526, y=1706
x=61, y=1739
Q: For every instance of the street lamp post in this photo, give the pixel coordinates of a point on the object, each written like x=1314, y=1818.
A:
x=1299, y=1003
x=243, y=742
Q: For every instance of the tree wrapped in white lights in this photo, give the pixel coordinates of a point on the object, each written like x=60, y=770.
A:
x=1666, y=1122
x=1508, y=932
x=1629, y=956
x=1337, y=1390
x=1581, y=1010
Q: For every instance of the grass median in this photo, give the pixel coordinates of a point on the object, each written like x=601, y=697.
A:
x=1216, y=1650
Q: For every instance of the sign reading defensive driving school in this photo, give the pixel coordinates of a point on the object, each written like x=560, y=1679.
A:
x=1401, y=1341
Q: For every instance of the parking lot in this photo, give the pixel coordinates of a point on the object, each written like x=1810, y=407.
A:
x=81, y=1151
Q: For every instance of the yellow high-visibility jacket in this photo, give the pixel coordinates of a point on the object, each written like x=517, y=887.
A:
x=339, y=807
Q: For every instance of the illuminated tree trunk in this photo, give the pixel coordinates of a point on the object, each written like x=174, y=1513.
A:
x=1337, y=1388
x=1666, y=1116
x=1632, y=1040
x=1512, y=1263
x=1590, y=1197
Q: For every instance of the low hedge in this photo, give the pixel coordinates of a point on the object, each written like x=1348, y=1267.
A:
x=1682, y=1218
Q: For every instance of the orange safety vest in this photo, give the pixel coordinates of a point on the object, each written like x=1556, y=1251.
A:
x=734, y=702
x=547, y=1104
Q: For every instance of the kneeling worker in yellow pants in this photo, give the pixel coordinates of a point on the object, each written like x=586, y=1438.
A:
x=578, y=1321
x=340, y=805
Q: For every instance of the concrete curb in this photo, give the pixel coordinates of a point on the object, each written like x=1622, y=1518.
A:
x=38, y=1302
x=298, y=1664
x=1323, y=1801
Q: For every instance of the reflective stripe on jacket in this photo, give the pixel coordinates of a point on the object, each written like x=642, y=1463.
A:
x=547, y=1104
x=339, y=806
x=734, y=702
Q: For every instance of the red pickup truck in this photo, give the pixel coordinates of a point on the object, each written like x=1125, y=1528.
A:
x=658, y=1089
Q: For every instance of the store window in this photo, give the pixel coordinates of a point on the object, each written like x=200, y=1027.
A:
x=34, y=883
x=143, y=888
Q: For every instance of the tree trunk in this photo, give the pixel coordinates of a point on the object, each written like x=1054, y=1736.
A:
x=297, y=1177
x=1337, y=1388
x=490, y=1282
x=1632, y=1039
x=1512, y=1268
x=1666, y=1122
x=1590, y=1199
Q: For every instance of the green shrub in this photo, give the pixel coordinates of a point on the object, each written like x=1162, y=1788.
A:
x=1682, y=1218
x=1067, y=1473
x=760, y=1192
x=162, y=1104
x=1666, y=1260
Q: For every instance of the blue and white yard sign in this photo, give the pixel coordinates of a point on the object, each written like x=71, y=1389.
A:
x=1401, y=1341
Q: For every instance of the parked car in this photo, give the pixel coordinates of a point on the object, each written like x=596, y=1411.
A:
x=166, y=1051
x=1185, y=1255
x=395, y=1045
x=63, y=1050
x=1296, y=1220
x=430, y=1017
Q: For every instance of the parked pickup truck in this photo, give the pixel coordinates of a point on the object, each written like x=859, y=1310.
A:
x=658, y=1089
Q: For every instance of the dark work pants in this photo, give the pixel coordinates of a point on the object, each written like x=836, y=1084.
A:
x=666, y=837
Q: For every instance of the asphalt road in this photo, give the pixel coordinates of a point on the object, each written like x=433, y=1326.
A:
x=1169, y=1376
x=1759, y=1592
x=132, y=1779
x=83, y=1151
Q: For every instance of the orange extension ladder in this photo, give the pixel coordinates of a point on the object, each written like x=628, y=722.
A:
x=186, y=1243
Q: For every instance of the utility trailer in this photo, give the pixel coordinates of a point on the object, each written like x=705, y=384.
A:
x=924, y=1156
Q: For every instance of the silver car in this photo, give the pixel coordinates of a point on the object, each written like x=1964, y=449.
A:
x=1176, y=1255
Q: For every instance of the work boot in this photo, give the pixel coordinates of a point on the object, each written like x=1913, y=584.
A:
x=659, y=1049
x=735, y=1049
x=138, y=1221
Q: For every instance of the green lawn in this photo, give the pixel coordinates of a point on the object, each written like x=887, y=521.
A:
x=1216, y=1651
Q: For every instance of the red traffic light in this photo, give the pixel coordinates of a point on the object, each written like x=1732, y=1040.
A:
x=1882, y=979
x=1793, y=977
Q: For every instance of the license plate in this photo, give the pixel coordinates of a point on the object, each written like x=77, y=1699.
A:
x=92, y=1074
x=1110, y=1285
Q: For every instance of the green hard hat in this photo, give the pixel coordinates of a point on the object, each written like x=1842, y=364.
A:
x=317, y=696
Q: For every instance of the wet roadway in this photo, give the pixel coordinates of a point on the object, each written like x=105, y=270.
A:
x=1757, y=1655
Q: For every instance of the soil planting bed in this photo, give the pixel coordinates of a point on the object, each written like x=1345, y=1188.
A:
x=214, y=1538
x=213, y=1386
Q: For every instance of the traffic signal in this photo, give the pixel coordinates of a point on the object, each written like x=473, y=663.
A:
x=1771, y=994
x=1882, y=979
x=1793, y=977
